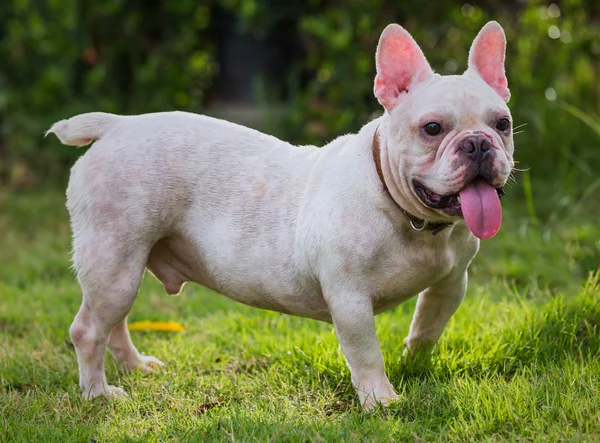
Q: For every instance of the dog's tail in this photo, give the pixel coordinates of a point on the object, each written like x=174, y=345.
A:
x=83, y=129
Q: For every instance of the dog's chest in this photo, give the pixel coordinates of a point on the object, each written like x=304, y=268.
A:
x=408, y=271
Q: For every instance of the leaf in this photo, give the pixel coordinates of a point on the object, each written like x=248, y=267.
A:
x=160, y=326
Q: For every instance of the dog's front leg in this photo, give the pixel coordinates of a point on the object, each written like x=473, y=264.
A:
x=435, y=306
x=354, y=324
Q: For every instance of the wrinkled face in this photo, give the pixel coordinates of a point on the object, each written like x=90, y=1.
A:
x=451, y=131
x=449, y=138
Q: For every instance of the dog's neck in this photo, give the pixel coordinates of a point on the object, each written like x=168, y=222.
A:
x=418, y=224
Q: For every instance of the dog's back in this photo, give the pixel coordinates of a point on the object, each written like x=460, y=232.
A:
x=159, y=182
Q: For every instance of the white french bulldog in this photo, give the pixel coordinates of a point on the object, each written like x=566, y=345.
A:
x=337, y=234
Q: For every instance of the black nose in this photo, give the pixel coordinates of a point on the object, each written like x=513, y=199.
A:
x=476, y=147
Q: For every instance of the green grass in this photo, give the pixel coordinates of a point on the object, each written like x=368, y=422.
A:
x=519, y=361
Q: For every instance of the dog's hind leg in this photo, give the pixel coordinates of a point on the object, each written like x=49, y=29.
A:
x=125, y=352
x=109, y=268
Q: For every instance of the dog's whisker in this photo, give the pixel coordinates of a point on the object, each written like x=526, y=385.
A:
x=519, y=126
x=511, y=178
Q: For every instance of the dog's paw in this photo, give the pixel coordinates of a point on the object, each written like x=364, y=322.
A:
x=147, y=364
x=108, y=391
x=370, y=402
x=409, y=353
x=381, y=393
x=143, y=363
x=421, y=348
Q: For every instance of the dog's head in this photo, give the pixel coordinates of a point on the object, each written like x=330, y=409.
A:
x=449, y=138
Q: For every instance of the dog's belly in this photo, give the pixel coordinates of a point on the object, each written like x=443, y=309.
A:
x=175, y=260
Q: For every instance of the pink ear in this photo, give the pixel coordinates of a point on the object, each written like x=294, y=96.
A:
x=400, y=65
x=486, y=58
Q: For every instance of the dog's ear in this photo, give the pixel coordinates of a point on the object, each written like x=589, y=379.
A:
x=486, y=58
x=400, y=65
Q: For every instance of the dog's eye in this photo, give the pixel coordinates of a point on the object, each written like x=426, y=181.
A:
x=503, y=124
x=432, y=128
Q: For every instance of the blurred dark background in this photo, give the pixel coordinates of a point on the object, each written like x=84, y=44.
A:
x=301, y=70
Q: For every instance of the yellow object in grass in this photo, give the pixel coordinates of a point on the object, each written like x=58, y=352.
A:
x=161, y=326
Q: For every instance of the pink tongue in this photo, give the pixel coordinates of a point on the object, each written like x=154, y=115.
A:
x=481, y=208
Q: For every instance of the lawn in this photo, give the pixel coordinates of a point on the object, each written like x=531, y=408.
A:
x=519, y=361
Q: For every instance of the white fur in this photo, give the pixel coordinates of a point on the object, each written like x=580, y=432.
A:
x=300, y=230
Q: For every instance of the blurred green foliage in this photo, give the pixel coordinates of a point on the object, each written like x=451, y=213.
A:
x=62, y=57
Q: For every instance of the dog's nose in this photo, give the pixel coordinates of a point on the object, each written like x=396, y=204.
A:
x=476, y=147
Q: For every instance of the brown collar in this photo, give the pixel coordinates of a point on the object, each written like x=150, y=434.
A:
x=416, y=223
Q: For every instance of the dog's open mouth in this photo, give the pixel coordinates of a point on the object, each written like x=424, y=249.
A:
x=478, y=202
